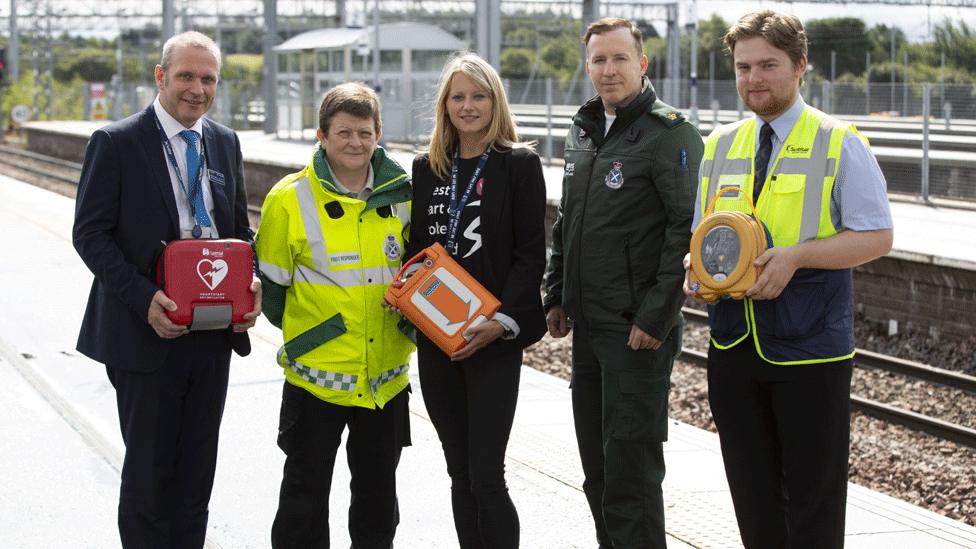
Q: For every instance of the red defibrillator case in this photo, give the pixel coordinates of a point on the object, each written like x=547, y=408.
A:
x=442, y=299
x=210, y=281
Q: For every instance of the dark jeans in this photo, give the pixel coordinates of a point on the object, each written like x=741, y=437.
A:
x=472, y=406
x=620, y=408
x=170, y=419
x=309, y=433
x=785, y=432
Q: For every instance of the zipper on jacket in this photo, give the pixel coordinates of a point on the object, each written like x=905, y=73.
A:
x=579, y=235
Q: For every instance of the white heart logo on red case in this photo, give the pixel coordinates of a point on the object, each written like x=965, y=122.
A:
x=212, y=272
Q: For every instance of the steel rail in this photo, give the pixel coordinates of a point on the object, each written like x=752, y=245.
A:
x=6, y=154
x=871, y=359
x=906, y=418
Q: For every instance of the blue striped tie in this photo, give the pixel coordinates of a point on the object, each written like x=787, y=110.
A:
x=192, y=169
x=762, y=160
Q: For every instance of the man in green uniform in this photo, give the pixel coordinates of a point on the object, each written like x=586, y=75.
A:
x=615, y=271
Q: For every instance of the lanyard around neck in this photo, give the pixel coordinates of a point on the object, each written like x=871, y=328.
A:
x=171, y=157
x=456, y=206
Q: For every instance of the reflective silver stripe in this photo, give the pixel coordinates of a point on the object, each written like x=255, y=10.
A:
x=275, y=273
x=403, y=212
x=724, y=166
x=376, y=382
x=323, y=378
x=313, y=227
x=815, y=168
x=379, y=275
x=348, y=278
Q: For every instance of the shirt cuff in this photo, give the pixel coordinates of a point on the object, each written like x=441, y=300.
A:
x=507, y=322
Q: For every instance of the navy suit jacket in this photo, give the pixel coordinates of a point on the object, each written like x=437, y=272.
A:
x=124, y=211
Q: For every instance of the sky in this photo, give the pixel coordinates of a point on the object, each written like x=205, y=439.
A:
x=913, y=20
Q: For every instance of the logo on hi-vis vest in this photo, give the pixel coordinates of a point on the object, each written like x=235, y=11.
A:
x=391, y=248
x=794, y=149
x=445, y=301
x=212, y=272
x=615, y=177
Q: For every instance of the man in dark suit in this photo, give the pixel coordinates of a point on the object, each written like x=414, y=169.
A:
x=160, y=175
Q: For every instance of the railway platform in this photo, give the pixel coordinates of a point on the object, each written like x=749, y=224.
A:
x=61, y=452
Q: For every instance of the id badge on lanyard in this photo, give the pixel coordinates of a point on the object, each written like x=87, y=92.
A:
x=196, y=232
x=456, y=205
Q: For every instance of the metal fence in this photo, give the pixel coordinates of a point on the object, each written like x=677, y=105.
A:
x=924, y=135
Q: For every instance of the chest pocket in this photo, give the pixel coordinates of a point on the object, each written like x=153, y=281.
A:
x=783, y=206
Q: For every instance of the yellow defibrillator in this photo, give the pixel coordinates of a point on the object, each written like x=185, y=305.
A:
x=723, y=248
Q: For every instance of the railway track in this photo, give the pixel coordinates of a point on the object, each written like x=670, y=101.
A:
x=67, y=173
x=53, y=169
x=886, y=412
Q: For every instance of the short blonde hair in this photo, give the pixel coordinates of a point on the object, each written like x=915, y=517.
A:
x=501, y=132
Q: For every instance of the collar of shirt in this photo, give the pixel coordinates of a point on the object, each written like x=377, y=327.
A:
x=170, y=125
x=361, y=195
x=783, y=123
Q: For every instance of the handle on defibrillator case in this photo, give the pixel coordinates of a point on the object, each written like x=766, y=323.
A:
x=422, y=254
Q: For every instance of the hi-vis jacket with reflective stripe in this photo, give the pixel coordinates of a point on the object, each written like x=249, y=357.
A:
x=812, y=319
x=326, y=260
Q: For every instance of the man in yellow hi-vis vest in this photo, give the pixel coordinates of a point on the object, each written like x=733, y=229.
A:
x=780, y=360
x=330, y=241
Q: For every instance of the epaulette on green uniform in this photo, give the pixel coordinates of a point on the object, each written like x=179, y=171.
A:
x=667, y=114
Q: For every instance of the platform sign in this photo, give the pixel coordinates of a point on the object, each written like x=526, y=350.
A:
x=99, y=103
x=446, y=301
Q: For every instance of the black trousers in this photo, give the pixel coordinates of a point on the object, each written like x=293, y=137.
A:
x=309, y=433
x=472, y=406
x=620, y=409
x=170, y=420
x=785, y=432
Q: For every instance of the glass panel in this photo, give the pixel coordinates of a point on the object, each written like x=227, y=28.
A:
x=308, y=61
x=293, y=62
x=337, y=64
x=391, y=61
x=282, y=62
x=429, y=60
x=322, y=60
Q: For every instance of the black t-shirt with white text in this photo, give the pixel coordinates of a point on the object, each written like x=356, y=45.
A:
x=469, y=230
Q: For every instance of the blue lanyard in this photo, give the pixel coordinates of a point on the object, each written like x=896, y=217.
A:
x=455, y=206
x=168, y=147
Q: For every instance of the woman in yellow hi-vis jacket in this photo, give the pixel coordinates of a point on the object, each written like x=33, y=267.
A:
x=331, y=239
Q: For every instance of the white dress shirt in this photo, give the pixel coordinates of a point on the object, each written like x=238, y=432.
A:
x=172, y=129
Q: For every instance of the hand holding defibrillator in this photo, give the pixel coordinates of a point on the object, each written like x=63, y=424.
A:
x=445, y=302
x=724, y=260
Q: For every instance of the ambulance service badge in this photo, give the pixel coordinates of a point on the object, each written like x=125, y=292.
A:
x=615, y=177
x=391, y=248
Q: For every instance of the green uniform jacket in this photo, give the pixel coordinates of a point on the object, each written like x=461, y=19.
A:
x=624, y=222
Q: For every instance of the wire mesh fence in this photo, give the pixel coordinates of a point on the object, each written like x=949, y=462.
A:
x=924, y=135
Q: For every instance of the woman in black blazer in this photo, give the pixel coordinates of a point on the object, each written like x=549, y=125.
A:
x=498, y=237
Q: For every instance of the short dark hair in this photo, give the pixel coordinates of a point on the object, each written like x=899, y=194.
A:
x=353, y=98
x=784, y=32
x=608, y=24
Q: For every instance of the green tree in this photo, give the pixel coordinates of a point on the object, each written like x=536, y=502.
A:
x=560, y=57
x=958, y=44
x=517, y=63
x=845, y=36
